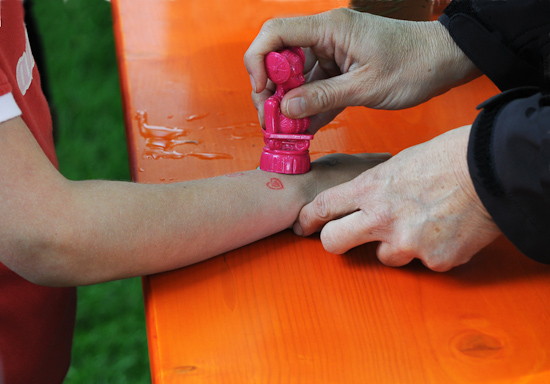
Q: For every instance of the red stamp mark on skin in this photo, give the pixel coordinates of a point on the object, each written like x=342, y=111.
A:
x=275, y=183
x=236, y=174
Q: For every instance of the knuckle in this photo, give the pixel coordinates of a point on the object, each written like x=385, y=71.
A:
x=307, y=220
x=407, y=248
x=272, y=26
x=432, y=256
x=436, y=265
x=321, y=206
x=445, y=260
x=258, y=100
x=268, y=25
x=321, y=96
x=397, y=254
x=385, y=256
x=341, y=20
x=392, y=257
x=249, y=56
x=340, y=15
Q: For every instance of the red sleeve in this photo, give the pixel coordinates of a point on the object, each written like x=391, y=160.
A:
x=5, y=86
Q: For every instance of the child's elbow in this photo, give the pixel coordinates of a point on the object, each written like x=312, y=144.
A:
x=42, y=261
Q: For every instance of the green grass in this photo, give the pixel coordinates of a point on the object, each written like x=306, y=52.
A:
x=80, y=66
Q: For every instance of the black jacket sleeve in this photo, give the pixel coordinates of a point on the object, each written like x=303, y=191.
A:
x=509, y=147
x=509, y=162
x=508, y=40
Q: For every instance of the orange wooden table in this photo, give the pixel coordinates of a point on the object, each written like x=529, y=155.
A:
x=282, y=310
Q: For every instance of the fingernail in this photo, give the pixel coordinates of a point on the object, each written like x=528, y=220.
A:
x=296, y=107
x=253, y=83
x=298, y=229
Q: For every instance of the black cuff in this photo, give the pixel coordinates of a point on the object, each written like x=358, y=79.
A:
x=509, y=162
x=489, y=54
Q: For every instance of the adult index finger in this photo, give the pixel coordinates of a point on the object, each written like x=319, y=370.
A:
x=355, y=229
x=330, y=204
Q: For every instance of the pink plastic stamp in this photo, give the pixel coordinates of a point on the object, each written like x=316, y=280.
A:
x=286, y=141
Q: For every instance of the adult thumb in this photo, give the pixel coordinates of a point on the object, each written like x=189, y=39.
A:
x=320, y=96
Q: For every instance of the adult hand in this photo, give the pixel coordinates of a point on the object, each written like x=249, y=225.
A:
x=419, y=204
x=356, y=58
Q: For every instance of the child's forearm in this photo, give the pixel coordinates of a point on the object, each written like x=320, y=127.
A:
x=117, y=229
x=60, y=232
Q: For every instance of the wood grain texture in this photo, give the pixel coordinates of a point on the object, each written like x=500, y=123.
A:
x=282, y=310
